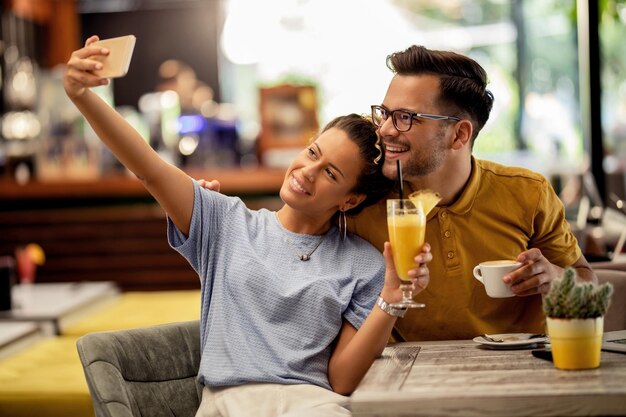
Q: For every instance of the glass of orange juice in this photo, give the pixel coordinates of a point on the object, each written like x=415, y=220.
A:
x=407, y=226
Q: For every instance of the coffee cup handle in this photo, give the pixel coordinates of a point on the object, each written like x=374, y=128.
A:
x=477, y=274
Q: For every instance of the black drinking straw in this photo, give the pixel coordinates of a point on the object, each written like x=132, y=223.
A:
x=400, y=183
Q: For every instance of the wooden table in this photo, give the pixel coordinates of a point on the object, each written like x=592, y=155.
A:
x=461, y=378
x=50, y=304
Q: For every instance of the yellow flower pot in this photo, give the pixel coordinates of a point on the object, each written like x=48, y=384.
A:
x=576, y=343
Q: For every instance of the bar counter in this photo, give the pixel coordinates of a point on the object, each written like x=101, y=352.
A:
x=234, y=181
x=111, y=229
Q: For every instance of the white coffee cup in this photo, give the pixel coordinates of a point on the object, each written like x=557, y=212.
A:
x=490, y=273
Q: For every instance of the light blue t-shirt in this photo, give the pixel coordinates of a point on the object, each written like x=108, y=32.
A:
x=267, y=316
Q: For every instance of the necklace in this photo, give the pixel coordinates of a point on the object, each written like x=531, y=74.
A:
x=302, y=256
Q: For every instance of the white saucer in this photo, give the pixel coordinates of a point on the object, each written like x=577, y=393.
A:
x=511, y=340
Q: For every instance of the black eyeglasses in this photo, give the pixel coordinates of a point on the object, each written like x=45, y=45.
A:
x=403, y=119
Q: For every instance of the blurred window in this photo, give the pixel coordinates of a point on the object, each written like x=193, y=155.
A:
x=613, y=83
x=528, y=48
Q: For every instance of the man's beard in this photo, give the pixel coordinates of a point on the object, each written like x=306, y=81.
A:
x=420, y=163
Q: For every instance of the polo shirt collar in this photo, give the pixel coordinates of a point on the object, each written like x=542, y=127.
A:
x=466, y=201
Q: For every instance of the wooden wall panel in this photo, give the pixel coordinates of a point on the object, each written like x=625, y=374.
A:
x=124, y=244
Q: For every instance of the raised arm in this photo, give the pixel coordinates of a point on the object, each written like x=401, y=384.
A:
x=170, y=186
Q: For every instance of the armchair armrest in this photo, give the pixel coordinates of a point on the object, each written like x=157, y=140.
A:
x=145, y=371
x=618, y=266
x=615, y=318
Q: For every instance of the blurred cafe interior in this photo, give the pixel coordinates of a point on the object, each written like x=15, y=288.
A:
x=230, y=90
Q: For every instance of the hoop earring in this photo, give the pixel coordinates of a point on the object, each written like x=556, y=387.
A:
x=343, y=225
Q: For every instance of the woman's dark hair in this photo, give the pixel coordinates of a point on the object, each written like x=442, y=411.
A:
x=371, y=182
x=463, y=82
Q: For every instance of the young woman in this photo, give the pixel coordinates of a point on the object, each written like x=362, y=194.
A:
x=288, y=323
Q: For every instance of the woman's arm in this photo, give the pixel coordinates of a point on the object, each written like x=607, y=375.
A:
x=355, y=351
x=170, y=186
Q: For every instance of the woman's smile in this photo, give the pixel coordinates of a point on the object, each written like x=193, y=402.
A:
x=297, y=185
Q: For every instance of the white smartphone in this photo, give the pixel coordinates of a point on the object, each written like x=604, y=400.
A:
x=120, y=52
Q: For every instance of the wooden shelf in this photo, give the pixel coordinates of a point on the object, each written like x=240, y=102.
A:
x=233, y=182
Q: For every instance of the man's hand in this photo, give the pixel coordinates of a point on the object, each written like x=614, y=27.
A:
x=213, y=185
x=535, y=274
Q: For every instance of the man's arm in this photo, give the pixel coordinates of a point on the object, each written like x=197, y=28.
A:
x=536, y=273
x=584, y=271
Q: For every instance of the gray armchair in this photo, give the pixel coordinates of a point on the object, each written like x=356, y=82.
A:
x=615, y=318
x=150, y=371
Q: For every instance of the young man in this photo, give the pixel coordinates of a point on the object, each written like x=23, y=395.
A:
x=435, y=106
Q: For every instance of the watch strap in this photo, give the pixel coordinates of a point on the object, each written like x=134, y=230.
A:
x=392, y=311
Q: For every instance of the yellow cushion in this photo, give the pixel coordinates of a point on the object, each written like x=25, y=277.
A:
x=139, y=309
x=45, y=380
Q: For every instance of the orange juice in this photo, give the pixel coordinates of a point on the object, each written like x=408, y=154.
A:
x=406, y=234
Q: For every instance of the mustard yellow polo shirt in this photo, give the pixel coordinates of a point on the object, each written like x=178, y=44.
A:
x=502, y=212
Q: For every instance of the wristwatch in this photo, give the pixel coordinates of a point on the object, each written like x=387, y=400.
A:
x=392, y=311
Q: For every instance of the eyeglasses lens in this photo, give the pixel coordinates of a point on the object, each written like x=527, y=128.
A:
x=402, y=120
x=378, y=114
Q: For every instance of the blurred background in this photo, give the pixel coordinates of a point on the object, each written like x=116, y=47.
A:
x=231, y=89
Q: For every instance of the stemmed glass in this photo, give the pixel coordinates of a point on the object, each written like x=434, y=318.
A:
x=407, y=226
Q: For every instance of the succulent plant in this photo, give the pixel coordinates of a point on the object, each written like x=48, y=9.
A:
x=568, y=299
